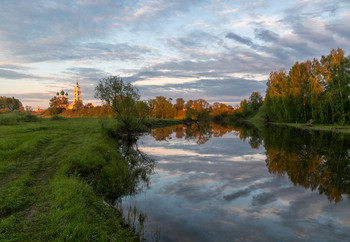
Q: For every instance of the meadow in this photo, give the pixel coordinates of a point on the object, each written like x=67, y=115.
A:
x=56, y=178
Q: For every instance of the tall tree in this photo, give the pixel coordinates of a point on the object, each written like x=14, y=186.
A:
x=123, y=98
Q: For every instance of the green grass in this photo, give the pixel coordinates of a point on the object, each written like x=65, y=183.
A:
x=259, y=116
x=16, y=118
x=258, y=120
x=54, y=179
x=321, y=127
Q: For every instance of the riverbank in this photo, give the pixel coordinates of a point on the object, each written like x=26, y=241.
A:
x=319, y=127
x=56, y=176
x=259, y=121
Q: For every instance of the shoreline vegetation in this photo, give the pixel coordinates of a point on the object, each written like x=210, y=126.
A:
x=259, y=121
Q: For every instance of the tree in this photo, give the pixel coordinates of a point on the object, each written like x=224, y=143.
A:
x=219, y=111
x=180, y=105
x=312, y=91
x=28, y=109
x=78, y=105
x=57, y=105
x=89, y=105
x=256, y=101
x=8, y=104
x=162, y=108
x=197, y=109
x=123, y=99
x=113, y=88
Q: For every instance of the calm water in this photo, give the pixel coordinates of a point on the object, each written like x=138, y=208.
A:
x=218, y=183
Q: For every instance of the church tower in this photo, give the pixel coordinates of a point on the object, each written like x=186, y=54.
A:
x=77, y=93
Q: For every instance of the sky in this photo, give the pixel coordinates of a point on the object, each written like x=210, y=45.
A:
x=218, y=50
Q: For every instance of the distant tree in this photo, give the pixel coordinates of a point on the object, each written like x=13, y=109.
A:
x=162, y=108
x=256, y=101
x=179, y=106
x=78, y=105
x=57, y=105
x=28, y=109
x=89, y=105
x=197, y=109
x=12, y=104
x=219, y=111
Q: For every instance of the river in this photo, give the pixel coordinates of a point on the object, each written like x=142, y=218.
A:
x=237, y=183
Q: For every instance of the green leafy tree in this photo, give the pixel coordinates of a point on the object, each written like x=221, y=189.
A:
x=57, y=105
x=123, y=99
x=256, y=101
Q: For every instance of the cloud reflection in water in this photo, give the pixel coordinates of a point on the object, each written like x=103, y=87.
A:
x=223, y=191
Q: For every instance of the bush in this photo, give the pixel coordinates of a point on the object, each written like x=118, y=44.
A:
x=57, y=117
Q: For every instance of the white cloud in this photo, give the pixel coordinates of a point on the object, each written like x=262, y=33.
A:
x=162, y=81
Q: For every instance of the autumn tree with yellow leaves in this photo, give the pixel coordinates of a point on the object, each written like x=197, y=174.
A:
x=312, y=91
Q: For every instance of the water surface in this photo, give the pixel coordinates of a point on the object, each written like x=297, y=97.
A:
x=214, y=183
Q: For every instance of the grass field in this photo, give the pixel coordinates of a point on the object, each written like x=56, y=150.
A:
x=55, y=176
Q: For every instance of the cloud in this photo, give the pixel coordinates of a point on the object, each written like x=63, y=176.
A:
x=240, y=39
x=108, y=51
x=87, y=73
x=9, y=74
x=263, y=199
x=197, y=43
x=212, y=90
x=238, y=194
x=266, y=35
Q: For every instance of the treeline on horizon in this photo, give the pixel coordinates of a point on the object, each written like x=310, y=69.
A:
x=316, y=91
x=312, y=91
x=163, y=108
x=10, y=104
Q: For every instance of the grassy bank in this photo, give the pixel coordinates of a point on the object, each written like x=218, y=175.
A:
x=55, y=176
x=159, y=123
x=259, y=121
x=321, y=127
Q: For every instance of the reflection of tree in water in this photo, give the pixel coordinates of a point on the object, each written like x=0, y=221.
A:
x=162, y=133
x=140, y=165
x=202, y=132
x=165, y=133
x=220, y=130
x=316, y=160
x=246, y=131
x=180, y=131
